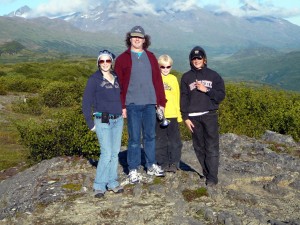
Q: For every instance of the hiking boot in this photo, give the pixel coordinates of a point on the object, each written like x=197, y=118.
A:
x=156, y=170
x=118, y=189
x=133, y=176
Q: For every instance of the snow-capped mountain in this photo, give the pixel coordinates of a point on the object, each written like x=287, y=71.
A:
x=172, y=27
x=21, y=12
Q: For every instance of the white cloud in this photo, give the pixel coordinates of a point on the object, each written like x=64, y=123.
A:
x=56, y=7
x=184, y=5
x=258, y=8
x=141, y=6
x=59, y=7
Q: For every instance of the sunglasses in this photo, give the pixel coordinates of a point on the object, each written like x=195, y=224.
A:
x=137, y=37
x=165, y=67
x=101, y=61
x=199, y=58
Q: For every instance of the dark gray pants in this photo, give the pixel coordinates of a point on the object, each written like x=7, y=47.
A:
x=206, y=144
x=168, y=144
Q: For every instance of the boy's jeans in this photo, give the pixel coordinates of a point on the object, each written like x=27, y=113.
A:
x=206, y=144
x=140, y=119
x=109, y=136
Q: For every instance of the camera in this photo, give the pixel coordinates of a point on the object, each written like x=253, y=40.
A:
x=160, y=115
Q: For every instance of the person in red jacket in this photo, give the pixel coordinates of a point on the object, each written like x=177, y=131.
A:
x=142, y=91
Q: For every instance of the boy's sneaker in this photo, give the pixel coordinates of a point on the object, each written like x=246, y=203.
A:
x=133, y=176
x=156, y=170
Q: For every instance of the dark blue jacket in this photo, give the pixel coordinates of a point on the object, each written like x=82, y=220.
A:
x=100, y=96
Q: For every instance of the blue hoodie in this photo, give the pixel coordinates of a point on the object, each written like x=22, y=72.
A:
x=100, y=96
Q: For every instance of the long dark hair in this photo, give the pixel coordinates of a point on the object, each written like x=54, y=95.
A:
x=146, y=44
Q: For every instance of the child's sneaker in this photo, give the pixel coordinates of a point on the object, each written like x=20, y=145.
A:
x=133, y=176
x=156, y=170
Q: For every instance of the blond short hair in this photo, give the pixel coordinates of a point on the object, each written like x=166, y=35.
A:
x=165, y=59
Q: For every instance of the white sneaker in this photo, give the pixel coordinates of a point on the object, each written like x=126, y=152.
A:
x=133, y=176
x=156, y=170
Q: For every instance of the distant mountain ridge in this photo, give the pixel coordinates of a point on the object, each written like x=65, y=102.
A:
x=169, y=26
x=240, y=48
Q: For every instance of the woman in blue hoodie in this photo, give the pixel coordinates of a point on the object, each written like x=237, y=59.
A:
x=201, y=92
x=102, y=109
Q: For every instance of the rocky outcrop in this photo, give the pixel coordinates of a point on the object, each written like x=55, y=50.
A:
x=259, y=184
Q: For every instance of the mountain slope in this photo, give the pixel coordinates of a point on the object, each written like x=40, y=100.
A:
x=215, y=31
x=170, y=26
x=262, y=65
x=43, y=34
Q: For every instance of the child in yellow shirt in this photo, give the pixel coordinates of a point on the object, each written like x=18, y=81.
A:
x=168, y=141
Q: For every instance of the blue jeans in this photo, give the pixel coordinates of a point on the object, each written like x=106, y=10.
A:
x=140, y=119
x=109, y=136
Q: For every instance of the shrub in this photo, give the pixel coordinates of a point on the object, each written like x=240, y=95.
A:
x=3, y=89
x=62, y=94
x=32, y=105
x=31, y=70
x=253, y=110
x=65, y=134
x=2, y=73
x=19, y=83
x=191, y=195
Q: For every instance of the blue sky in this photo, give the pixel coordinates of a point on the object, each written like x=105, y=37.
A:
x=286, y=9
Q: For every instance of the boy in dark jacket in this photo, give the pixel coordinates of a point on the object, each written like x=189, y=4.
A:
x=202, y=90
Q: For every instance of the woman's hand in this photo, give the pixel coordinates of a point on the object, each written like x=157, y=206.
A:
x=124, y=113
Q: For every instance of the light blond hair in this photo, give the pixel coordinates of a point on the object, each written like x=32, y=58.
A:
x=165, y=59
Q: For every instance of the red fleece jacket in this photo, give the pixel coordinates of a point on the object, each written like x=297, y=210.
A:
x=123, y=70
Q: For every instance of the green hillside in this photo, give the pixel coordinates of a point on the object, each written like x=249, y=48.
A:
x=11, y=47
x=43, y=35
x=262, y=65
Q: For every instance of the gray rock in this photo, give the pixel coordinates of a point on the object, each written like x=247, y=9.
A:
x=274, y=189
x=295, y=184
x=271, y=136
x=209, y=215
x=256, y=186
